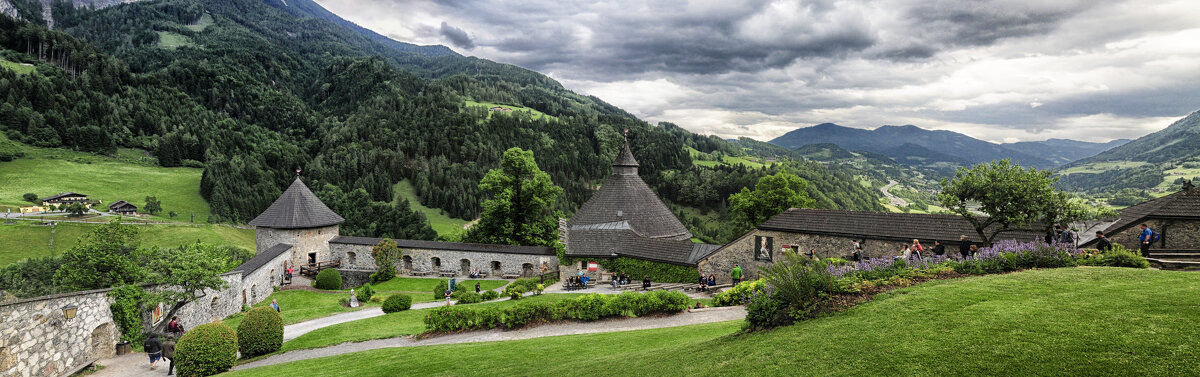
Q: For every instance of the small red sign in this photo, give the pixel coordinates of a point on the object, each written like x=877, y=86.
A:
x=593, y=266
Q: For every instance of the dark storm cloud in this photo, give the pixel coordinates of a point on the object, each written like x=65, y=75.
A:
x=982, y=23
x=457, y=37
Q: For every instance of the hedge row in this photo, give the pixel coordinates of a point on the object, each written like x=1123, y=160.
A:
x=586, y=308
x=657, y=271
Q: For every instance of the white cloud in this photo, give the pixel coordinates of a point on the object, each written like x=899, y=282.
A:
x=1001, y=70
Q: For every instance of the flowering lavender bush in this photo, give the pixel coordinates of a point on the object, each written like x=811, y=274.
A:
x=1012, y=255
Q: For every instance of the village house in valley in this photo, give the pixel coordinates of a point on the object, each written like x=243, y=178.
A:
x=122, y=207
x=66, y=198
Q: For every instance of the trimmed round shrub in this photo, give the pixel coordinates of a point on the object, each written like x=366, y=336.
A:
x=469, y=298
x=397, y=303
x=364, y=293
x=329, y=279
x=206, y=350
x=261, y=332
x=489, y=295
x=439, y=291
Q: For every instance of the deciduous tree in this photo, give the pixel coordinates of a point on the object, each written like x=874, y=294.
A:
x=1007, y=195
x=520, y=210
x=771, y=195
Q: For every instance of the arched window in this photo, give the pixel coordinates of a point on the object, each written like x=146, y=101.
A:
x=496, y=266
x=352, y=257
x=272, y=277
x=254, y=293
x=407, y=263
x=215, y=303
x=436, y=262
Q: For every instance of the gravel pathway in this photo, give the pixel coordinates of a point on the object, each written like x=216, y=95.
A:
x=694, y=317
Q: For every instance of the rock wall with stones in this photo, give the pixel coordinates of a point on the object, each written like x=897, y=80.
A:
x=36, y=339
x=741, y=251
x=355, y=278
x=1176, y=235
x=303, y=241
x=358, y=257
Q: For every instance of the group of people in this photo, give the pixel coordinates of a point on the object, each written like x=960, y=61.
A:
x=164, y=349
x=576, y=282
x=1061, y=234
x=1146, y=237
x=474, y=272
x=706, y=282
x=916, y=249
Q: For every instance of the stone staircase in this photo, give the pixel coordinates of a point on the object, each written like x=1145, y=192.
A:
x=1175, y=259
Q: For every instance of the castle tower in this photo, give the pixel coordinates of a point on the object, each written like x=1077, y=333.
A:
x=625, y=218
x=300, y=219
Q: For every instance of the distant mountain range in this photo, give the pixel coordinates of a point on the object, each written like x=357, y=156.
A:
x=916, y=146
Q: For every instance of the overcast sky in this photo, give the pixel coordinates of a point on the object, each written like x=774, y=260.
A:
x=997, y=70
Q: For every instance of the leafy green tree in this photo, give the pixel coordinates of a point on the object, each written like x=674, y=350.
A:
x=520, y=211
x=172, y=214
x=152, y=207
x=188, y=272
x=773, y=194
x=385, y=254
x=102, y=258
x=999, y=196
x=76, y=209
x=30, y=197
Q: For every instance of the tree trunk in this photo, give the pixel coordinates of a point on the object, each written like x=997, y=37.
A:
x=162, y=325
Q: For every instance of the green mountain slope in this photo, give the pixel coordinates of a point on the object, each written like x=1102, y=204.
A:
x=251, y=92
x=1155, y=162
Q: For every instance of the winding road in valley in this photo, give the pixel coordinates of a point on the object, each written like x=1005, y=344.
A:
x=896, y=200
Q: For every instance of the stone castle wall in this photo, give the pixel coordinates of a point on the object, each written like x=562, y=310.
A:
x=303, y=241
x=37, y=340
x=358, y=257
x=741, y=251
x=1176, y=235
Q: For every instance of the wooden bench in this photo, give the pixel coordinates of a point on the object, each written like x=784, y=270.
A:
x=421, y=273
x=512, y=276
x=448, y=274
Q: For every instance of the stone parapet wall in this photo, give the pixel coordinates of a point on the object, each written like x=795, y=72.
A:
x=450, y=260
x=1176, y=235
x=37, y=340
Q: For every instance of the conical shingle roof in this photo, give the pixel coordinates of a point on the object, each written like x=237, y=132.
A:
x=625, y=157
x=298, y=207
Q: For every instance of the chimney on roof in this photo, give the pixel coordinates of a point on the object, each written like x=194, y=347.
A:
x=1188, y=186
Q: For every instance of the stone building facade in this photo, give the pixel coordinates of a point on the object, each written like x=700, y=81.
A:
x=310, y=244
x=1176, y=217
x=831, y=234
x=435, y=257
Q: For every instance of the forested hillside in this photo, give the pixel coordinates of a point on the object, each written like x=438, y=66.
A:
x=1157, y=162
x=251, y=92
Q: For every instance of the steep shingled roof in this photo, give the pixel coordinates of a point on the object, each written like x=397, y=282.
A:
x=626, y=218
x=1182, y=204
x=883, y=225
x=297, y=208
x=261, y=259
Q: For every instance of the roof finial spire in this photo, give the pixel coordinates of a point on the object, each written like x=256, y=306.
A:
x=1188, y=185
x=297, y=173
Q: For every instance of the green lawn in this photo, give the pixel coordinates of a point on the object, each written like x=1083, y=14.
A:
x=23, y=69
x=129, y=176
x=1062, y=322
x=425, y=285
x=27, y=239
x=749, y=162
x=444, y=225
x=392, y=325
x=534, y=114
x=170, y=40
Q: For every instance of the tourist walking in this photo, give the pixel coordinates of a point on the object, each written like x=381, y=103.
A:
x=938, y=248
x=964, y=246
x=153, y=348
x=476, y=287
x=858, y=251
x=289, y=272
x=1050, y=235
x=1065, y=235
x=1102, y=242
x=168, y=352
x=736, y=274
x=1147, y=237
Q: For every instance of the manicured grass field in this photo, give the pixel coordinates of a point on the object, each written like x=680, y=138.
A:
x=403, y=323
x=425, y=285
x=48, y=171
x=444, y=225
x=18, y=67
x=28, y=239
x=516, y=109
x=1059, y=322
x=725, y=160
x=169, y=40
